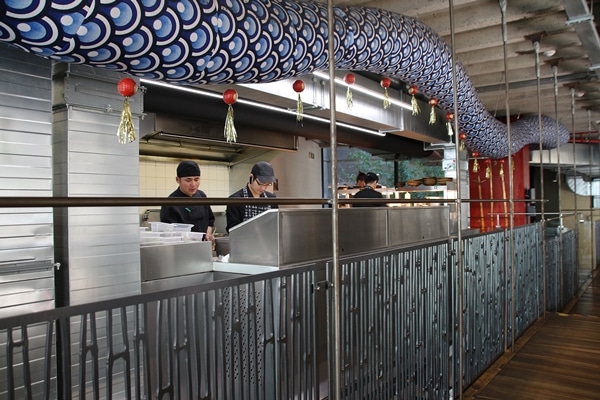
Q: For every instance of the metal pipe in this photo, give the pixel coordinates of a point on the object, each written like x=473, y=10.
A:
x=337, y=348
x=510, y=176
x=592, y=230
x=459, y=244
x=536, y=46
x=576, y=219
x=560, y=224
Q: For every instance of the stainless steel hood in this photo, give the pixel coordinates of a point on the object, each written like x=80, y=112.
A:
x=183, y=123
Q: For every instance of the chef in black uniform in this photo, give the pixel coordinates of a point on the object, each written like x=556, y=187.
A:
x=201, y=216
x=261, y=179
x=369, y=192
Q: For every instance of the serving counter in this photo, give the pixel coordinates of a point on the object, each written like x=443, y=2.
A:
x=287, y=237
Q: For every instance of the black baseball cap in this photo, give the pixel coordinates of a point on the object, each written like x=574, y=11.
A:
x=263, y=171
x=188, y=168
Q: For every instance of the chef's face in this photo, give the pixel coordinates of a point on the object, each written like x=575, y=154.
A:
x=189, y=184
x=258, y=188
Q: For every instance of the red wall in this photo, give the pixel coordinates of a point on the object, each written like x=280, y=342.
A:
x=489, y=180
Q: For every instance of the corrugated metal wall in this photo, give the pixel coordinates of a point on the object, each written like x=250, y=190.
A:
x=98, y=245
x=26, y=239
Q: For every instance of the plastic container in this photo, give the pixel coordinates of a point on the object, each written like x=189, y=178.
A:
x=161, y=227
x=194, y=236
x=182, y=227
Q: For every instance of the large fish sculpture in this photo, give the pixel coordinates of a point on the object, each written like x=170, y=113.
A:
x=256, y=41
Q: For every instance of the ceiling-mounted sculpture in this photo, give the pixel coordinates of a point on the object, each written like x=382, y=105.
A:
x=253, y=41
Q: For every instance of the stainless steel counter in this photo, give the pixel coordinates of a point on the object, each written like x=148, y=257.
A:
x=287, y=237
x=172, y=260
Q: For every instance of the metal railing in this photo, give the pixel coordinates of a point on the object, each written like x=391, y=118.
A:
x=267, y=336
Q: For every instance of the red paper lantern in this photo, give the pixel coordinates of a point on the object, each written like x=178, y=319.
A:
x=462, y=136
x=298, y=86
x=475, y=154
x=230, y=96
x=385, y=82
x=349, y=78
x=449, y=116
x=432, y=117
x=126, y=131
x=413, y=90
x=127, y=87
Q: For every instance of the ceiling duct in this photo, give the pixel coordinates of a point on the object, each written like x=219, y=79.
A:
x=582, y=160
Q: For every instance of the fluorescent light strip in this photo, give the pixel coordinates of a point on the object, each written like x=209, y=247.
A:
x=366, y=91
x=260, y=105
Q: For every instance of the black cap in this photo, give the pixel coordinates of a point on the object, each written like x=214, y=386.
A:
x=371, y=177
x=188, y=168
x=263, y=171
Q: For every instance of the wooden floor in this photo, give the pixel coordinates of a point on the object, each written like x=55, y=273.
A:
x=557, y=358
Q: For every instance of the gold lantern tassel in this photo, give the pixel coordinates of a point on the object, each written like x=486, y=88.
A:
x=501, y=172
x=488, y=171
x=386, y=99
x=126, y=132
x=349, y=98
x=449, y=128
x=461, y=146
x=230, y=133
x=475, y=166
x=432, y=116
x=415, y=105
x=299, y=109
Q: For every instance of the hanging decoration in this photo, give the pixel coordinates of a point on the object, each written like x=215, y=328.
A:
x=432, y=117
x=502, y=177
x=475, y=154
x=449, y=119
x=462, y=136
x=299, y=88
x=349, y=79
x=413, y=100
x=126, y=132
x=385, y=84
x=488, y=170
x=230, y=96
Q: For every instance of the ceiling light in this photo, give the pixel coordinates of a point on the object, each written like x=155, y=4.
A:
x=261, y=105
x=549, y=53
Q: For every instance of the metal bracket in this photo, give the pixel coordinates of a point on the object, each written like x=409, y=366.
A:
x=322, y=285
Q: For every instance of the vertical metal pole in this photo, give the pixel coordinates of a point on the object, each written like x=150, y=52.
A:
x=576, y=222
x=510, y=177
x=536, y=46
x=337, y=385
x=592, y=229
x=558, y=182
x=460, y=275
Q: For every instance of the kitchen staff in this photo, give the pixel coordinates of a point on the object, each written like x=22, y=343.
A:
x=202, y=217
x=261, y=179
x=369, y=192
x=360, y=180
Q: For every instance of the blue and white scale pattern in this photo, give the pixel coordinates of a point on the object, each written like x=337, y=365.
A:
x=255, y=41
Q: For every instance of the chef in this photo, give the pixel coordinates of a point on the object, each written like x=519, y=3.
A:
x=261, y=180
x=201, y=216
x=369, y=192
